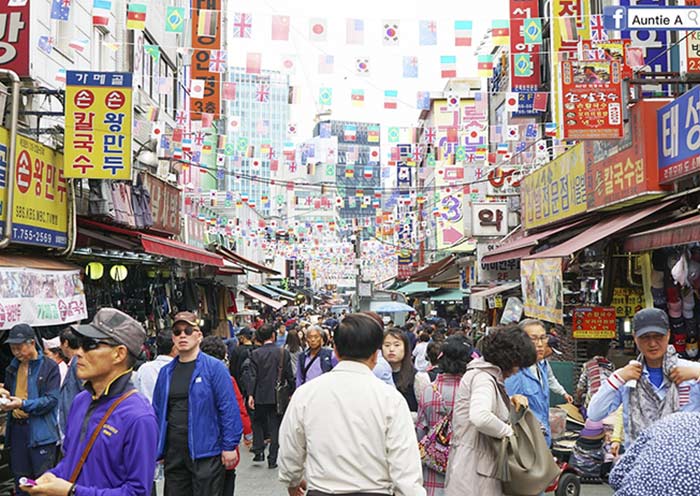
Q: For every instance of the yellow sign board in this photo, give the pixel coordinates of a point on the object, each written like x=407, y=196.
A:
x=40, y=207
x=98, y=125
x=555, y=191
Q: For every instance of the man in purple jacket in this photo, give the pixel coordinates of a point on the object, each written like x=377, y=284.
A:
x=123, y=458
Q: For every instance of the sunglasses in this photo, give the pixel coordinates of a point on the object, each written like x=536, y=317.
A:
x=89, y=344
x=187, y=330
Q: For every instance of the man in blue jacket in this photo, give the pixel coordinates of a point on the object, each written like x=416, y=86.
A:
x=198, y=416
x=122, y=460
x=32, y=383
x=536, y=382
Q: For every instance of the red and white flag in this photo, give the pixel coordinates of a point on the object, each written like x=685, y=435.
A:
x=280, y=28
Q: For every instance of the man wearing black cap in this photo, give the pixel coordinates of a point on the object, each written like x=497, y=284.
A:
x=31, y=398
x=654, y=386
x=110, y=414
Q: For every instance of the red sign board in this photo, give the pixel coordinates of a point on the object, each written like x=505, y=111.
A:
x=204, y=46
x=14, y=36
x=592, y=99
x=594, y=323
x=621, y=170
x=523, y=78
x=165, y=205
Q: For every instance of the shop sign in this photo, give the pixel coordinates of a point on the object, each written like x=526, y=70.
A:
x=40, y=209
x=627, y=301
x=525, y=59
x=543, y=289
x=98, y=125
x=196, y=232
x=489, y=219
x=40, y=297
x=628, y=170
x=404, y=265
x=165, y=205
x=204, y=48
x=594, y=323
x=679, y=137
x=555, y=191
x=592, y=99
x=692, y=50
x=14, y=36
x=504, y=182
x=507, y=270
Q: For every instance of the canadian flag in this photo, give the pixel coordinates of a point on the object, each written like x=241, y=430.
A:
x=512, y=102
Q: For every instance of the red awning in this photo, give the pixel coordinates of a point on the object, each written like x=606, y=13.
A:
x=246, y=263
x=522, y=247
x=435, y=268
x=602, y=229
x=677, y=233
x=156, y=245
x=276, y=305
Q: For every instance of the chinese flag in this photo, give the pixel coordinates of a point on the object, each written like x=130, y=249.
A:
x=229, y=91
x=280, y=28
x=253, y=63
x=452, y=135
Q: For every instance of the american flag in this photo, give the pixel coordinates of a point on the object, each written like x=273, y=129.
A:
x=263, y=93
x=242, y=25
x=217, y=61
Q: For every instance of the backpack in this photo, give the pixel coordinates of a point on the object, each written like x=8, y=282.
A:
x=434, y=447
x=324, y=355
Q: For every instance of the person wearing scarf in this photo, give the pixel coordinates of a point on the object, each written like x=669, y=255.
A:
x=654, y=386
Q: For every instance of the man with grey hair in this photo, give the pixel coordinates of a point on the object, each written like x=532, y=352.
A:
x=536, y=382
x=316, y=360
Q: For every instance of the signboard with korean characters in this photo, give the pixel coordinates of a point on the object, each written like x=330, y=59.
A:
x=592, y=99
x=622, y=170
x=165, y=204
x=489, y=219
x=679, y=137
x=594, y=323
x=15, y=53
x=507, y=270
x=98, y=125
x=555, y=191
x=40, y=297
x=504, y=182
x=525, y=58
x=40, y=209
x=543, y=289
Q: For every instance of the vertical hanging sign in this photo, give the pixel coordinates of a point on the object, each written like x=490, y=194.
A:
x=14, y=36
x=203, y=47
x=525, y=59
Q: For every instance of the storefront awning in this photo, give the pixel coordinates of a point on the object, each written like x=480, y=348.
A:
x=35, y=263
x=522, y=247
x=276, y=305
x=601, y=230
x=246, y=263
x=282, y=292
x=677, y=233
x=496, y=290
x=154, y=245
x=413, y=288
x=263, y=290
x=435, y=268
x=454, y=294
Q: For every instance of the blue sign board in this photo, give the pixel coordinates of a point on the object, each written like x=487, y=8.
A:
x=679, y=137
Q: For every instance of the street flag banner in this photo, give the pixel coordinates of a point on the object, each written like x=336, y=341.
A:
x=350, y=132
x=410, y=66
x=532, y=31
x=253, y=63
x=463, y=33
x=448, y=66
x=391, y=33
x=550, y=129
x=500, y=32
x=325, y=96
x=196, y=88
x=567, y=28
x=539, y=103
x=262, y=95
x=427, y=33
x=362, y=66
x=325, y=64
x=318, y=29
x=98, y=125
x=101, y=12
x=423, y=100
x=355, y=32
x=218, y=61
x=289, y=63
x=136, y=16
x=242, y=25
x=46, y=44
x=485, y=65
x=391, y=99
x=60, y=10
x=373, y=133
x=357, y=97
x=280, y=28
x=208, y=23
x=153, y=51
x=174, y=19
x=228, y=91
x=79, y=45
x=512, y=101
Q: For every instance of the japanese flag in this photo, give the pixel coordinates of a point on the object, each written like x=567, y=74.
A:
x=197, y=88
x=157, y=131
x=512, y=102
x=474, y=135
x=220, y=159
x=234, y=123
x=255, y=163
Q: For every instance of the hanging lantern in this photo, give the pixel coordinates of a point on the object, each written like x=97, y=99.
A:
x=118, y=273
x=94, y=270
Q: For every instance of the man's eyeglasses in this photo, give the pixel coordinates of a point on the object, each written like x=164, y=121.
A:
x=179, y=330
x=540, y=339
x=89, y=344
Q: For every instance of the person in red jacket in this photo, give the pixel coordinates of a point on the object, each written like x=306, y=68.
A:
x=214, y=346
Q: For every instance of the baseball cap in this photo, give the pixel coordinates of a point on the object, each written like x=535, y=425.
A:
x=650, y=320
x=20, y=333
x=186, y=317
x=118, y=327
x=247, y=332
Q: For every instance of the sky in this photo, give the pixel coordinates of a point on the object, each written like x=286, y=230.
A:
x=385, y=62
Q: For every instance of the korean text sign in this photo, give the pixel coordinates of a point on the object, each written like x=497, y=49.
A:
x=14, y=36
x=40, y=209
x=525, y=59
x=592, y=99
x=40, y=297
x=98, y=125
x=679, y=137
x=555, y=191
x=594, y=323
x=203, y=48
x=543, y=289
